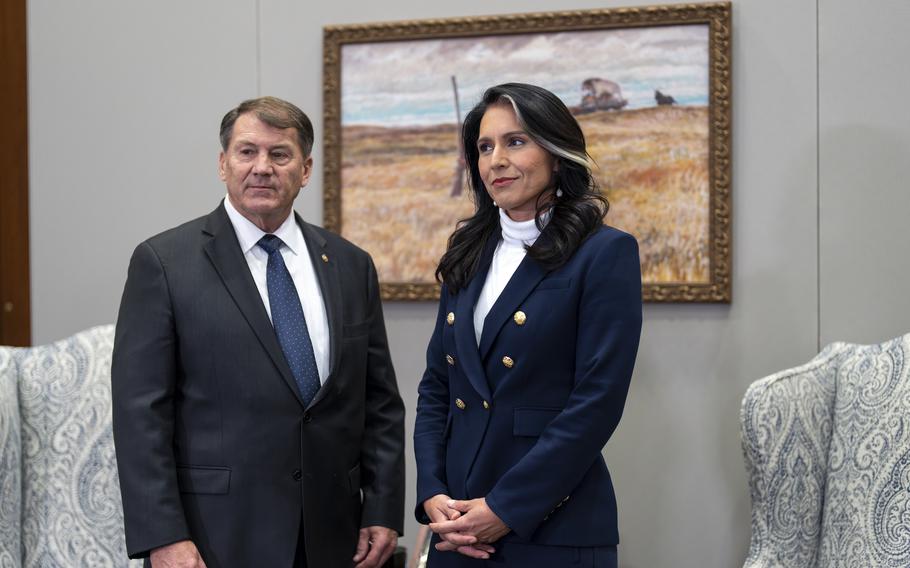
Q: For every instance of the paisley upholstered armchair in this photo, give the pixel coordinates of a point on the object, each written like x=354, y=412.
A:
x=60, y=502
x=827, y=450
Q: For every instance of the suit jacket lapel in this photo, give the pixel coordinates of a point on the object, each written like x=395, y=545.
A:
x=326, y=267
x=465, y=339
x=224, y=252
x=525, y=279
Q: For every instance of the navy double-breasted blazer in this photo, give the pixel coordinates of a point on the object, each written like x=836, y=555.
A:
x=522, y=419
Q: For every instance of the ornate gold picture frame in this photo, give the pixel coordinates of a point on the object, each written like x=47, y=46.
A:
x=650, y=87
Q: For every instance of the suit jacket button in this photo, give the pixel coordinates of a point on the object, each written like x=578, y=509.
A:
x=520, y=317
x=508, y=362
x=296, y=475
x=460, y=404
x=486, y=405
x=450, y=359
x=307, y=417
x=450, y=319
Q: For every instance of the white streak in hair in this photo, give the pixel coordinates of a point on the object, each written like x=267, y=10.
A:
x=580, y=159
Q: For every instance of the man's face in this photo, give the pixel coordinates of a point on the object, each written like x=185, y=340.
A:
x=263, y=169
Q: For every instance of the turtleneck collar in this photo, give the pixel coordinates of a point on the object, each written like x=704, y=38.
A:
x=520, y=233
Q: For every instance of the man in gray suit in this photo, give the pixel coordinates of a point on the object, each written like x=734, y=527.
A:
x=257, y=418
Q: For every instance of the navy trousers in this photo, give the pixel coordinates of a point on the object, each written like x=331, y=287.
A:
x=521, y=555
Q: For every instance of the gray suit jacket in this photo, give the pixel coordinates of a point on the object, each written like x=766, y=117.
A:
x=214, y=443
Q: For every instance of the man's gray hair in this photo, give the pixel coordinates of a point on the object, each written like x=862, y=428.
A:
x=275, y=112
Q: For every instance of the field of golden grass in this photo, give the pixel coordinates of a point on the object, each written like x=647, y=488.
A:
x=653, y=167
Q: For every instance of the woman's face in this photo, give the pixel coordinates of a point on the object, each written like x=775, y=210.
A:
x=515, y=170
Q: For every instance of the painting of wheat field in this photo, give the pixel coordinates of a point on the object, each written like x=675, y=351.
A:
x=640, y=94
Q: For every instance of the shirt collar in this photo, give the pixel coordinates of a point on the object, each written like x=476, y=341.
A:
x=249, y=234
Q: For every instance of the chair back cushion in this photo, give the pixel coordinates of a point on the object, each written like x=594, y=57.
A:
x=786, y=431
x=71, y=499
x=866, y=519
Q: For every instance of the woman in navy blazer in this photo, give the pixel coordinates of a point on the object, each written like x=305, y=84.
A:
x=530, y=360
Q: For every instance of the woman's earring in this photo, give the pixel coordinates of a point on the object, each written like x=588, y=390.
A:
x=494, y=204
x=558, y=192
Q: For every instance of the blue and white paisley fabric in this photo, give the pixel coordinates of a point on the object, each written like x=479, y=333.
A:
x=72, y=513
x=10, y=462
x=827, y=448
x=866, y=519
x=786, y=428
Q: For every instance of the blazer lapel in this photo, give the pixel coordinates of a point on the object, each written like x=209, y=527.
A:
x=465, y=339
x=224, y=252
x=523, y=281
x=326, y=267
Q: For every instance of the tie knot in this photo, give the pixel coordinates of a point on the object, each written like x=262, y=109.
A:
x=270, y=243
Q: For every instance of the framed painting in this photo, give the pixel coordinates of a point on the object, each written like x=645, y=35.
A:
x=650, y=87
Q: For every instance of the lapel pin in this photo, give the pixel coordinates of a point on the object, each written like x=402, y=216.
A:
x=325, y=258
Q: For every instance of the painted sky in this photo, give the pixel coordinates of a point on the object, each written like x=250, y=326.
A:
x=409, y=82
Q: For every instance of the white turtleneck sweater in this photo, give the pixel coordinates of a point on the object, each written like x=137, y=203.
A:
x=510, y=251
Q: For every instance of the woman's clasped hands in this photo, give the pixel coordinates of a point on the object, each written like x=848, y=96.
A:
x=468, y=527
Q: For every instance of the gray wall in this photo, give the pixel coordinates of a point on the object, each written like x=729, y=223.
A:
x=124, y=103
x=864, y=170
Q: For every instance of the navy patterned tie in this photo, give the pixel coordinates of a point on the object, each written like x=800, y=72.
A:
x=288, y=320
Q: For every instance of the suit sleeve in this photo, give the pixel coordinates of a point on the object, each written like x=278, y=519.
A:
x=143, y=382
x=609, y=327
x=382, y=450
x=432, y=420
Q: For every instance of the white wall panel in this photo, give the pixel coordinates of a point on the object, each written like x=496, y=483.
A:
x=864, y=142
x=125, y=100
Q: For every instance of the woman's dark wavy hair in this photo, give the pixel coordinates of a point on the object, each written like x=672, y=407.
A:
x=575, y=215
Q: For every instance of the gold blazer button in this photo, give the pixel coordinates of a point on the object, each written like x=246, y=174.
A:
x=459, y=403
x=450, y=319
x=450, y=359
x=325, y=258
x=520, y=317
x=486, y=405
x=508, y=362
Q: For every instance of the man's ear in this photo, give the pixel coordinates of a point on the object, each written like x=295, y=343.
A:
x=221, y=172
x=307, y=171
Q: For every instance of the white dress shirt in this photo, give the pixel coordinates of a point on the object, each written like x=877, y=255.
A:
x=510, y=251
x=297, y=259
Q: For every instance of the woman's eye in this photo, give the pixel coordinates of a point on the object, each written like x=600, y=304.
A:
x=484, y=147
x=516, y=142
